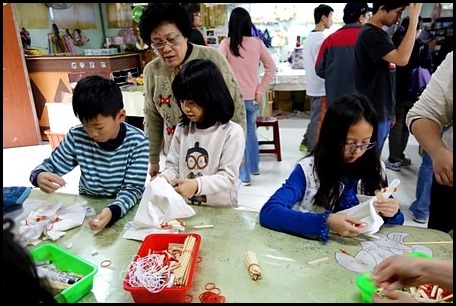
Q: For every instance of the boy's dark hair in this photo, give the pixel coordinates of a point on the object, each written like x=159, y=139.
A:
x=239, y=25
x=20, y=270
x=320, y=11
x=329, y=151
x=95, y=95
x=201, y=81
x=156, y=13
x=389, y=6
x=191, y=8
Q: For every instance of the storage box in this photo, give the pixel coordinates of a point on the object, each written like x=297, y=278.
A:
x=159, y=242
x=367, y=285
x=68, y=262
x=286, y=105
x=54, y=138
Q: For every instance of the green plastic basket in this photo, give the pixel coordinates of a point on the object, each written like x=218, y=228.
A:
x=367, y=285
x=68, y=262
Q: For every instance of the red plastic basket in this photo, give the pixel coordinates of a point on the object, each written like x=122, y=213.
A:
x=159, y=242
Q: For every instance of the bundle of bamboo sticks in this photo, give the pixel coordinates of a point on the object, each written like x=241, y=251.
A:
x=253, y=267
x=181, y=274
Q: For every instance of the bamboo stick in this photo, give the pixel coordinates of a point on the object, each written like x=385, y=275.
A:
x=429, y=242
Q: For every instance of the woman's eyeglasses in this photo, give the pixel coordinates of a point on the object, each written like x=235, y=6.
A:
x=170, y=42
x=352, y=147
x=197, y=14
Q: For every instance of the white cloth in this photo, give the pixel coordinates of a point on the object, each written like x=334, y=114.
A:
x=51, y=220
x=365, y=211
x=159, y=203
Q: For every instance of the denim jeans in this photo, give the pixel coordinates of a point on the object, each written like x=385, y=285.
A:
x=317, y=109
x=383, y=130
x=420, y=207
x=251, y=162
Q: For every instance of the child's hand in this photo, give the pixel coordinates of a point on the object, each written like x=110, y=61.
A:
x=394, y=296
x=387, y=207
x=154, y=169
x=101, y=220
x=186, y=187
x=49, y=182
x=345, y=225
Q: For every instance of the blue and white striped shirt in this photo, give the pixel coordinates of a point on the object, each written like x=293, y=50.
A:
x=119, y=173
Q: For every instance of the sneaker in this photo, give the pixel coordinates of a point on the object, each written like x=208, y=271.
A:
x=246, y=183
x=303, y=147
x=406, y=161
x=255, y=173
x=417, y=220
x=393, y=166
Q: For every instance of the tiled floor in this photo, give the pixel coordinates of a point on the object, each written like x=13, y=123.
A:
x=18, y=162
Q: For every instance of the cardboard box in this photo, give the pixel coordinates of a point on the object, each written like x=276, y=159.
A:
x=285, y=105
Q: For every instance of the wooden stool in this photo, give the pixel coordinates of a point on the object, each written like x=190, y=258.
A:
x=270, y=121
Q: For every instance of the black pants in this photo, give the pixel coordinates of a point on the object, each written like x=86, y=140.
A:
x=136, y=121
x=442, y=197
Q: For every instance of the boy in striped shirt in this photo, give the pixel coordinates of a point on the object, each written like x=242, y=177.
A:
x=112, y=155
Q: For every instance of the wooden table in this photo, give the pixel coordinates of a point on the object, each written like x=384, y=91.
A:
x=287, y=275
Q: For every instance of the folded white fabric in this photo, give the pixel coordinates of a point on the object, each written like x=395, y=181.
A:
x=159, y=203
x=52, y=220
x=365, y=211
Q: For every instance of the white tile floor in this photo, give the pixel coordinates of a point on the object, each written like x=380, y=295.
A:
x=18, y=162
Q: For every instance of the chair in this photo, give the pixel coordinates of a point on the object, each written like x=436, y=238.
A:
x=273, y=122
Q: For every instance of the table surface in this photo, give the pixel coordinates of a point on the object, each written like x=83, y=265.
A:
x=286, y=274
x=288, y=79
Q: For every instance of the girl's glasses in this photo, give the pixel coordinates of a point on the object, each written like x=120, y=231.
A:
x=197, y=14
x=170, y=42
x=351, y=147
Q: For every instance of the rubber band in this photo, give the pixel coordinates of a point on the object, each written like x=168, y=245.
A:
x=188, y=298
x=47, y=225
x=210, y=286
x=105, y=263
x=210, y=297
x=253, y=265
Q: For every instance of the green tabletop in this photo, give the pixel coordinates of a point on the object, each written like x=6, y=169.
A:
x=286, y=274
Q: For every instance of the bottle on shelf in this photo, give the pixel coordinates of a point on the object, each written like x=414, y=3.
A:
x=298, y=41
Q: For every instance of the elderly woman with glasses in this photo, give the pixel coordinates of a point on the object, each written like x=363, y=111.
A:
x=167, y=28
x=329, y=179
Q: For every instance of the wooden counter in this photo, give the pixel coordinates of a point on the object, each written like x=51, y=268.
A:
x=51, y=76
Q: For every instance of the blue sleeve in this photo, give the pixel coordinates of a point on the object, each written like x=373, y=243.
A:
x=277, y=213
x=397, y=219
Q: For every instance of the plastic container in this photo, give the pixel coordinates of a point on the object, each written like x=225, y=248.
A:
x=367, y=286
x=159, y=242
x=68, y=262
